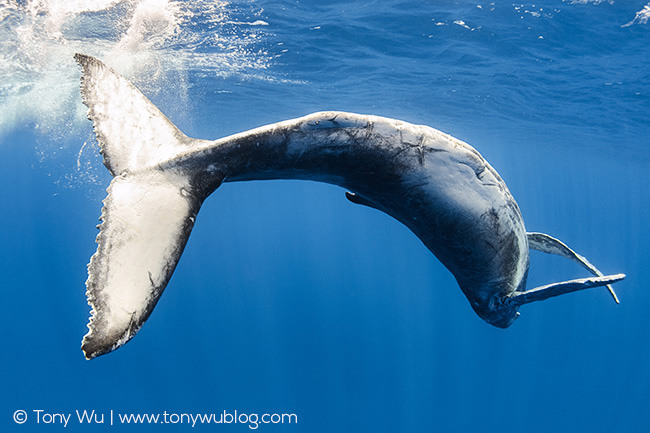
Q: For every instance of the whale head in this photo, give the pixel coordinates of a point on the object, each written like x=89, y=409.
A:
x=496, y=309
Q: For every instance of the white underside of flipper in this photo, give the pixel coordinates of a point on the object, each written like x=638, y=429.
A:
x=556, y=289
x=550, y=245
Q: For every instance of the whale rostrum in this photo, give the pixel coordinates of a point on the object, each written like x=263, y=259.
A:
x=439, y=187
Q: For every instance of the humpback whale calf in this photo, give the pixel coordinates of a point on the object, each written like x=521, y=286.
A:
x=439, y=187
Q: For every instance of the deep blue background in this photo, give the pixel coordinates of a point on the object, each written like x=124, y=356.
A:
x=289, y=298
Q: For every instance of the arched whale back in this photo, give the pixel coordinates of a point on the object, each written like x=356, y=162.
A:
x=438, y=186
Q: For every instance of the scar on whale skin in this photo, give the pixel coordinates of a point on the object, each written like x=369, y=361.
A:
x=439, y=187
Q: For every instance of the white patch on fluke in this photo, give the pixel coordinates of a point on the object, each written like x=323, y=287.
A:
x=147, y=215
x=144, y=220
x=120, y=112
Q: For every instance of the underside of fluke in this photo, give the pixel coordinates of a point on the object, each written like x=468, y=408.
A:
x=439, y=187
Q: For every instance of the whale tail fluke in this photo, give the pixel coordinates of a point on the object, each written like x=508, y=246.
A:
x=146, y=221
x=132, y=132
x=550, y=245
x=148, y=213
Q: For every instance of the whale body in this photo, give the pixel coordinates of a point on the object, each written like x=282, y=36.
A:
x=441, y=188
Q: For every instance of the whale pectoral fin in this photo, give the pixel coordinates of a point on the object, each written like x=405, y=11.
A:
x=550, y=245
x=357, y=199
x=557, y=289
x=146, y=221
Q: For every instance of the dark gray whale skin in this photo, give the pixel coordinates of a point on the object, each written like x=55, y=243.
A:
x=441, y=188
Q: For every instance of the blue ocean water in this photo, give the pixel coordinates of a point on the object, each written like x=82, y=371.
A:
x=288, y=298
